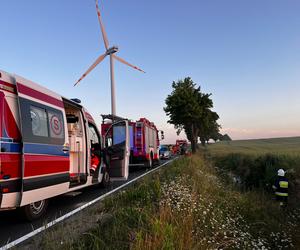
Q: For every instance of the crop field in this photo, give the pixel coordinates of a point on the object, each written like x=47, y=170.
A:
x=279, y=146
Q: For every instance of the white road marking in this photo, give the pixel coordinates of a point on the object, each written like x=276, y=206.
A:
x=52, y=223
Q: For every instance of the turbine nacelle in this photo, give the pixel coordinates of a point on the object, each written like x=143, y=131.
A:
x=112, y=50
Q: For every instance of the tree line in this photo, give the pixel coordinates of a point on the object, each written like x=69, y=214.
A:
x=190, y=110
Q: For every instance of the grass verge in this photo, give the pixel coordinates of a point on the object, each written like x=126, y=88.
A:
x=188, y=206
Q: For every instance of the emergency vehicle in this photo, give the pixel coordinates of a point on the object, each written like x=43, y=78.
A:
x=46, y=145
x=180, y=147
x=143, y=137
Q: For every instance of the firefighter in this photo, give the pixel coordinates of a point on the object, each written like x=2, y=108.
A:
x=281, y=188
x=94, y=162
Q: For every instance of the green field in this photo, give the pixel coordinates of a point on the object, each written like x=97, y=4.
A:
x=256, y=162
x=281, y=146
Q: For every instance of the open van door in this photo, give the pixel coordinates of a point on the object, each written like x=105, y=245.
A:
x=117, y=147
x=45, y=152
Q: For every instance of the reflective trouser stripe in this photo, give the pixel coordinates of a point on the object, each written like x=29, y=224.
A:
x=283, y=184
x=94, y=167
x=281, y=194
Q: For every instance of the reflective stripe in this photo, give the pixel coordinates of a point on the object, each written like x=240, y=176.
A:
x=281, y=194
x=283, y=184
x=94, y=167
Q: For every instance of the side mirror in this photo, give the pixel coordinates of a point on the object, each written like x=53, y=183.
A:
x=162, y=135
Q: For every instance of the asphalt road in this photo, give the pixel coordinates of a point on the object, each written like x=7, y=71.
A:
x=12, y=226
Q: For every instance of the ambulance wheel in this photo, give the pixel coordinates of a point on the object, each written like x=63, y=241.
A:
x=35, y=210
x=105, y=179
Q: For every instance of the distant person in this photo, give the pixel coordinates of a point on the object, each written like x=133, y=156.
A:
x=281, y=188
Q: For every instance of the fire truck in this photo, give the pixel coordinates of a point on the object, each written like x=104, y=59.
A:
x=47, y=144
x=143, y=138
x=180, y=147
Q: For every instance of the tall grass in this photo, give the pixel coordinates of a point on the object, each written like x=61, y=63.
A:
x=189, y=206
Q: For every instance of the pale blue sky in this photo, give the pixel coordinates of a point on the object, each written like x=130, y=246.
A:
x=246, y=53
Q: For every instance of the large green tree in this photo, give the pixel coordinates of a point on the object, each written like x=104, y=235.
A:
x=188, y=109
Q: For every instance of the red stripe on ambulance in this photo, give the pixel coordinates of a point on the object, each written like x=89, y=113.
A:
x=1, y=108
x=10, y=123
x=39, y=95
x=10, y=166
x=42, y=165
x=8, y=87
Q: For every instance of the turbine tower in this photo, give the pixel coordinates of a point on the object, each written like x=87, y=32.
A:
x=110, y=51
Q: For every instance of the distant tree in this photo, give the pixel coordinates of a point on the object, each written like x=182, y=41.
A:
x=225, y=137
x=209, y=128
x=189, y=110
x=216, y=136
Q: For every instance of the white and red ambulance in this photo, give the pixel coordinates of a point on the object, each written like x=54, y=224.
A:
x=47, y=142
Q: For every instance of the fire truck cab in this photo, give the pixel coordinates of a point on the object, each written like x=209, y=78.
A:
x=47, y=142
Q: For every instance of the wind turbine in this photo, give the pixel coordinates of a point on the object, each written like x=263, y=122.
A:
x=110, y=51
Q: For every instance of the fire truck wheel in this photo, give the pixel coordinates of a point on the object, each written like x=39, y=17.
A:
x=35, y=210
x=105, y=179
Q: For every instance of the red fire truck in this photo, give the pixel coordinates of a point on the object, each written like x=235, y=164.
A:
x=180, y=147
x=143, y=138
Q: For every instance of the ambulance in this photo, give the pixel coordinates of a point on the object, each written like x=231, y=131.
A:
x=47, y=142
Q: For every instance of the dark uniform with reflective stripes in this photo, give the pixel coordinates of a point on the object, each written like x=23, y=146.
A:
x=281, y=189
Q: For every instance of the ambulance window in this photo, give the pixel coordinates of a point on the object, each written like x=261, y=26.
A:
x=39, y=122
x=56, y=124
x=94, y=136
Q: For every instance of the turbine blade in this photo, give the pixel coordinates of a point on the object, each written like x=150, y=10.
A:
x=127, y=63
x=102, y=26
x=99, y=59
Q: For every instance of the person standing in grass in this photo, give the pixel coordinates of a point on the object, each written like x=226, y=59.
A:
x=281, y=188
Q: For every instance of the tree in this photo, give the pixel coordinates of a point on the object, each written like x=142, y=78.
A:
x=187, y=108
x=209, y=128
x=225, y=137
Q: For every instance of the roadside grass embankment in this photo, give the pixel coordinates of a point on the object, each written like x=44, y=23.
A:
x=188, y=205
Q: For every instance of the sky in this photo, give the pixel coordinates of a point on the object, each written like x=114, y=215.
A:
x=246, y=53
